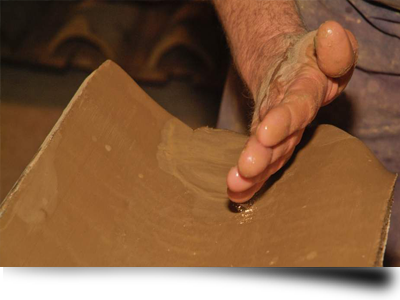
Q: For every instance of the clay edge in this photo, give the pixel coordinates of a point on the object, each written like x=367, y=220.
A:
x=49, y=137
x=386, y=228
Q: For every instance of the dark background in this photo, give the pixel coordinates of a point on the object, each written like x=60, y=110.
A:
x=176, y=51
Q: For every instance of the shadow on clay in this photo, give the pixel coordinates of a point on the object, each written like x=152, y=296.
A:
x=339, y=113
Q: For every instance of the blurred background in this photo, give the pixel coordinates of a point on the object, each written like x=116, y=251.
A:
x=176, y=51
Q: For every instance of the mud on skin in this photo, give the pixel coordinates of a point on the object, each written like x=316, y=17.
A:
x=314, y=71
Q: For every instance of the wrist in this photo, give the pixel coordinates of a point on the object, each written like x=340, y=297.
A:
x=261, y=66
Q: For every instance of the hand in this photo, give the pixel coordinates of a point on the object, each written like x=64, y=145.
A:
x=315, y=69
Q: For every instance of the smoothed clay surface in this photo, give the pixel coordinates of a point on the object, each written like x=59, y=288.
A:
x=120, y=182
x=199, y=157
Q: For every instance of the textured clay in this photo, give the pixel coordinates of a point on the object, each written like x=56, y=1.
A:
x=120, y=182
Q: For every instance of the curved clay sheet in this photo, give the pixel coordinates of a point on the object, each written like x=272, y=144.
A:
x=120, y=182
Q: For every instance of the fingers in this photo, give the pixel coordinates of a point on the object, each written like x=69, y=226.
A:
x=335, y=53
x=354, y=44
x=237, y=183
x=337, y=85
x=344, y=80
x=331, y=91
x=254, y=158
x=245, y=195
x=296, y=111
x=240, y=197
x=287, y=146
x=281, y=127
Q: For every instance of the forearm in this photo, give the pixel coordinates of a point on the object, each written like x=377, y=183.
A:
x=257, y=32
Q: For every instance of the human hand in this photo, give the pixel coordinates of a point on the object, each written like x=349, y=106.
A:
x=315, y=69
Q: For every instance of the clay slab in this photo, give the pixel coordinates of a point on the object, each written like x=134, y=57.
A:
x=120, y=182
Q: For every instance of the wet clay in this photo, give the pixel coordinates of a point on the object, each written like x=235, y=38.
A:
x=199, y=157
x=120, y=182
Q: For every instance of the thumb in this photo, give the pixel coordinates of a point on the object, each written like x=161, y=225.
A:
x=336, y=49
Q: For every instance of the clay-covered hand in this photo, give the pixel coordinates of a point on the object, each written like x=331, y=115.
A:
x=313, y=71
